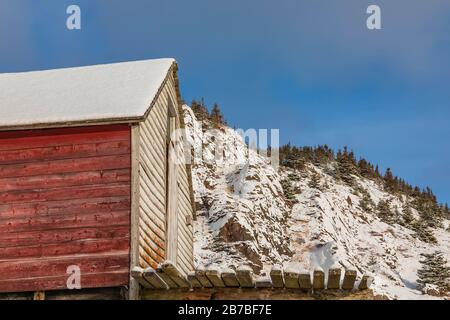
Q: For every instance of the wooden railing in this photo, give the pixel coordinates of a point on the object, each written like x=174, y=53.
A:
x=167, y=276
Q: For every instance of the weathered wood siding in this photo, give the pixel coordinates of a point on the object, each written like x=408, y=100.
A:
x=153, y=192
x=152, y=186
x=185, y=254
x=64, y=200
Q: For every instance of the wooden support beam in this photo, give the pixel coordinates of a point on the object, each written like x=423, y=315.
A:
x=276, y=274
x=349, y=279
x=152, y=277
x=201, y=276
x=291, y=275
x=137, y=274
x=229, y=278
x=213, y=275
x=193, y=280
x=263, y=282
x=244, y=275
x=334, y=279
x=318, y=279
x=252, y=294
x=133, y=292
x=304, y=280
x=169, y=268
x=366, y=282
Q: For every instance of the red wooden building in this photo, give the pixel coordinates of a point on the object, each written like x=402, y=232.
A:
x=87, y=181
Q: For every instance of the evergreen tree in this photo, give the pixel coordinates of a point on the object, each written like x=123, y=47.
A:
x=346, y=166
x=315, y=181
x=200, y=110
x=365, y=169
x=321, y=155
x=293, y=177
x=216, y=117
x=407, y=217
x=377, y=172
x=434, y=271
x=384, y=211
x=366, y=203
x=424, y=233
x=292, y=160
x=425, y=203
x=289, y=191
x=389, y=181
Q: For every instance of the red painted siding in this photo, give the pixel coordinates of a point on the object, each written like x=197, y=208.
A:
x=64, y=200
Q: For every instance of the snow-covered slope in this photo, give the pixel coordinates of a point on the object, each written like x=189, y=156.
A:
x=244, y=217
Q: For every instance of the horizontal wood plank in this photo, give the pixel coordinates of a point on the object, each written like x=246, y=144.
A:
x=68, y=248
x=65, y=166
x=51, y=208
x=92, y=280
x=62, y=236
x=27, y=139
x=61, y=180
x=70, y=151
x=54, y=266
x=65, y=221
x=66, y=193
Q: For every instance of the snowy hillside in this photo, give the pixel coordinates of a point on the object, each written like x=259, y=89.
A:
x=244, y=216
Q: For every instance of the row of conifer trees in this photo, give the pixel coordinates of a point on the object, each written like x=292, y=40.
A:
x=344, y=166
x=214, y=118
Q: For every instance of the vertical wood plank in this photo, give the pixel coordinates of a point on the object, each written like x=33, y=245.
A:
x=276, y=274
x=170, y=269
x=154, y=279
x=349, y=279
x=137, y=274
x=229, y=278
x=291, y=275
x=213, y=275
x=166, y=278
x=334, y=278
x=318, y=279
x=133, y=293
x=244, y=275
x=304, y=280
x=201, y=276
x=172, y=198
x=365, y=283
x=193, y=280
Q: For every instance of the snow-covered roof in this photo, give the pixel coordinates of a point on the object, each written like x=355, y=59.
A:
x=100, y=93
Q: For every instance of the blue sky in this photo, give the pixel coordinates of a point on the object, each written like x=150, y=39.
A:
x=308, y=67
